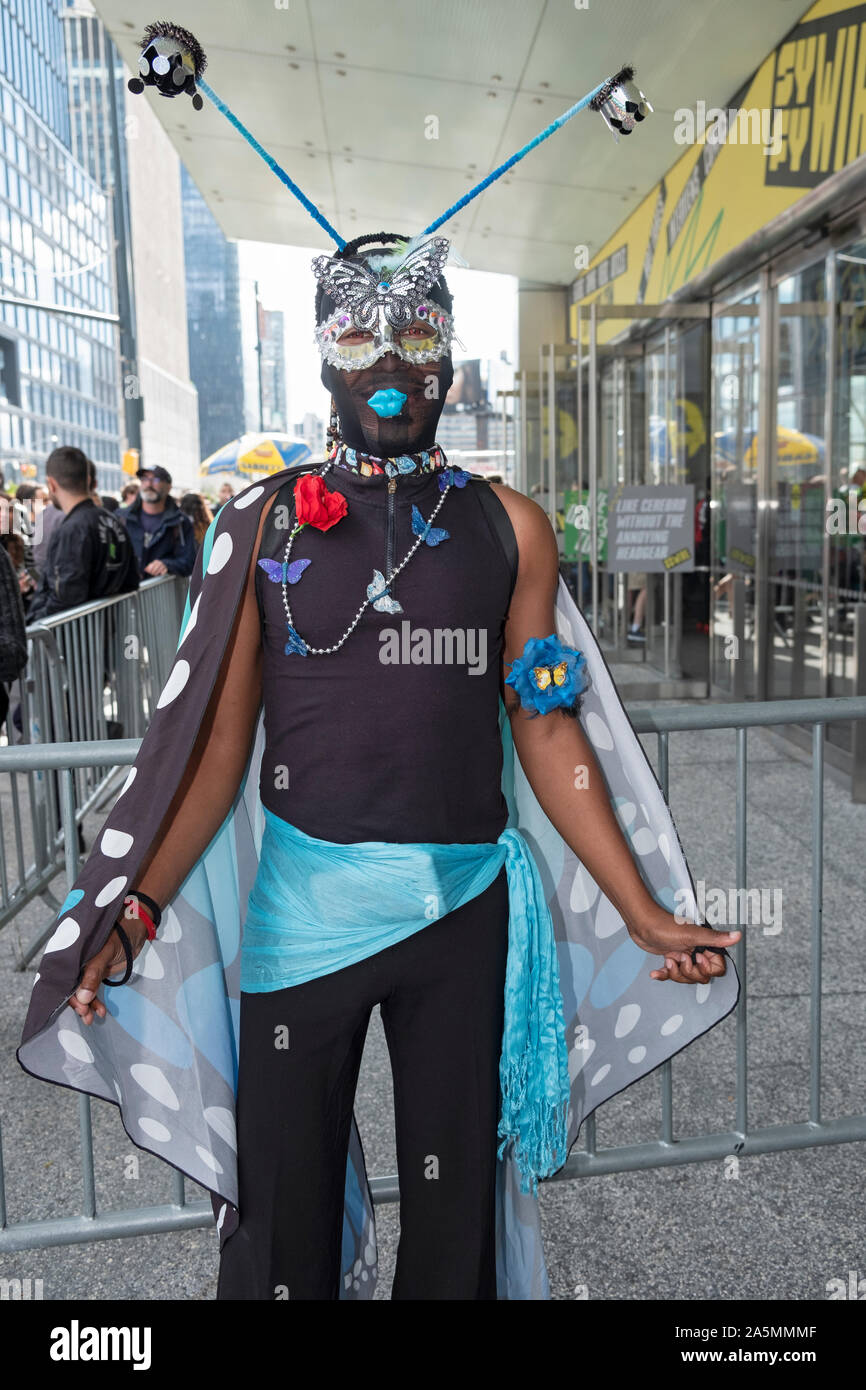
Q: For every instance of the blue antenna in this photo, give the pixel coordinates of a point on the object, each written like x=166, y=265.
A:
x=172, y=60
x=271, y=162
x=509, y=163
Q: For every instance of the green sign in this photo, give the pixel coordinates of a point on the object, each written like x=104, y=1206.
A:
x=576, y=544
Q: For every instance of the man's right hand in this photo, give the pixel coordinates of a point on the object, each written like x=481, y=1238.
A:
x=111, y=960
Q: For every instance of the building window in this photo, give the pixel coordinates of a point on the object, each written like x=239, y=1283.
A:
x=10, y=389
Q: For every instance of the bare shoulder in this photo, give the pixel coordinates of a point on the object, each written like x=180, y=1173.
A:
x=536, y=539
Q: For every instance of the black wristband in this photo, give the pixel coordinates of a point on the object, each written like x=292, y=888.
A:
x=129, y=957
x=152, y=907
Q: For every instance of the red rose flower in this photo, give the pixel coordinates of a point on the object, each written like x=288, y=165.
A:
x=315, y=505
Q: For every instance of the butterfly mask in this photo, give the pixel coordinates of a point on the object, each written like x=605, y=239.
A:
x=386, y=310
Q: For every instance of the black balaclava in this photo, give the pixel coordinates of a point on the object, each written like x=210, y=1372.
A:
x=360, y=427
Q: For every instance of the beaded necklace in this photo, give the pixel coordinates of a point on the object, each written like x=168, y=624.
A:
x=377, y=591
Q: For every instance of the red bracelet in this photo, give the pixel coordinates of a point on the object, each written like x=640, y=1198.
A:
x=142, y=912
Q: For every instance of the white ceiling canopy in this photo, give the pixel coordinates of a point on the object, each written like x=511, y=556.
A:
x=346, y=96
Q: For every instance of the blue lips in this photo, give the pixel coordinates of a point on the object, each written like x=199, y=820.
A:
x=387, y=403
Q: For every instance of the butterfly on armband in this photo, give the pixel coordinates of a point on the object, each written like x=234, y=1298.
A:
x=543, y=676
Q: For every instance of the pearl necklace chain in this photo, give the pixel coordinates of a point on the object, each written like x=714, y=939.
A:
x=326, y=651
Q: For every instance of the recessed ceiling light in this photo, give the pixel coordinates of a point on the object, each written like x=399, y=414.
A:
x=290, y=48
x=339, y=55
x=341, y=72
x=294, y=66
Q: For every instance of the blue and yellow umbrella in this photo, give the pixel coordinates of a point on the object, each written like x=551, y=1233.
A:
x=255, y=456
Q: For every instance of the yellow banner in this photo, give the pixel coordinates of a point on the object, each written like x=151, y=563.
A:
x=801, y=118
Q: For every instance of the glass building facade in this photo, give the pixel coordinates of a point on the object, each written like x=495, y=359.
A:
x=214, y=322
x=33, y=61
x=58, y=372
x=92, y=61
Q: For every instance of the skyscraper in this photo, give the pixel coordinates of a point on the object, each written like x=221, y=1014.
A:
x=273, y=341
x=214, y=322
x=120, y=140
x=58, y=372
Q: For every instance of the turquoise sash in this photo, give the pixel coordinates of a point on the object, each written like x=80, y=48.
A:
x=316, y=907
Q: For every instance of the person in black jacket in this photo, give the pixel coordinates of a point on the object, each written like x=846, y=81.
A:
x=161, y=534
x=13, y=639
x=89, y=555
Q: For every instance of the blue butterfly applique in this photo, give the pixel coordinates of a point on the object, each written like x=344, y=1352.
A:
x=431, y=534
x=284, y=573
x=377, y=592
x=295, y=643
x=457, y=477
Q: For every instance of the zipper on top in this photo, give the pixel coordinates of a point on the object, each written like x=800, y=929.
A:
x=392, y=526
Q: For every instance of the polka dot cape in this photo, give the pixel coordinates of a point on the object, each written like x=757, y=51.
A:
x=166, y=1053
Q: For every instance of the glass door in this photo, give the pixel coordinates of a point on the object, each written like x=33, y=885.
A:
x=734, y=493
x=847, y=479
x=645, y=421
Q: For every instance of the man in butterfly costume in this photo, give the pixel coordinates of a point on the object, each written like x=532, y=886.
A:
x=323, y=817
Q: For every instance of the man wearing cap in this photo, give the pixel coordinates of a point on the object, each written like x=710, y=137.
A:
x=161, y=534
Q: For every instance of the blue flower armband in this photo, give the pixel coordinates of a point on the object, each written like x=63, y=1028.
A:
x=549, y=675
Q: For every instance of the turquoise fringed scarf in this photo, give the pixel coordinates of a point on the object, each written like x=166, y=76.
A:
x=316, y=907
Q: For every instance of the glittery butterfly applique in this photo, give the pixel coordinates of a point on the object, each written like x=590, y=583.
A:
x=354, y=287
x=431, y=534
x=378, y=594
x=458, y=477
x=543, y=675
x=295, y=643
x=284, y=573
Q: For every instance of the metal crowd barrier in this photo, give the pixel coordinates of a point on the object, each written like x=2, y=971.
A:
x=93, y=673
x=664, y=1150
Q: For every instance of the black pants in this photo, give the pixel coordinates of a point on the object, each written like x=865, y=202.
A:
x=441, y=993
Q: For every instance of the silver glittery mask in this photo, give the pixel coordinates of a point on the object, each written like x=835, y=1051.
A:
x=388, y=310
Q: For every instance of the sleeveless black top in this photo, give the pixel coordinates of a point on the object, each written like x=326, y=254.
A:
x=361, y=748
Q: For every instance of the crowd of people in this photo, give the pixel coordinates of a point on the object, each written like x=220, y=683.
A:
x=63, y=543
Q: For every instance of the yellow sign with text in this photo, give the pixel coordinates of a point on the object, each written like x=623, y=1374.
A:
x=801, y=118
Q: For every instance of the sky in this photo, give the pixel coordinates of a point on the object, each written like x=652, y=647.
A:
x=485, y=311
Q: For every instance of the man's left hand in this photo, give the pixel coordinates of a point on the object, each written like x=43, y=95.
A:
x=665, y=936
x=156, y=567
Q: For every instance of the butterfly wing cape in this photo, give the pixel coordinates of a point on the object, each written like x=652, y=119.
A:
x=167, y=1051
